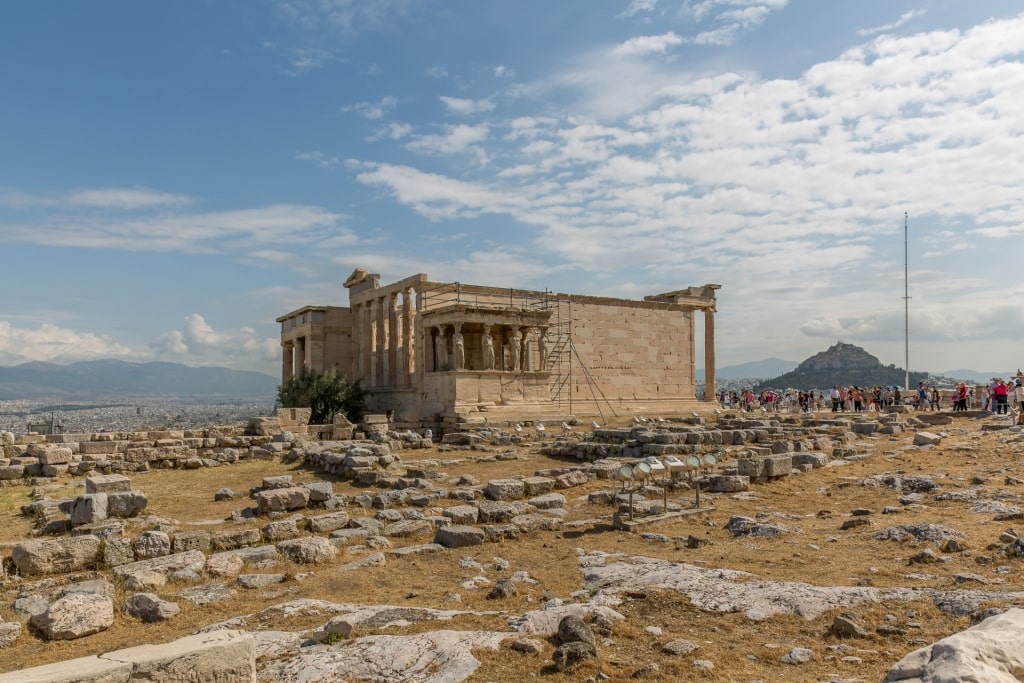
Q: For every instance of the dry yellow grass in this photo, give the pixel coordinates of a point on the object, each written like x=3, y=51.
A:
x=742, y=649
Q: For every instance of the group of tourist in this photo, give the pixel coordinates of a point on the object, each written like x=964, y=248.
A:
x=1001, y=397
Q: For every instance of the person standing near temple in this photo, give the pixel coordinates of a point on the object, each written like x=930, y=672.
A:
x=1018, y=391
x=1000, y=395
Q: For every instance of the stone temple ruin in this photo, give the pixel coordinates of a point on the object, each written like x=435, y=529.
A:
x=437, y=353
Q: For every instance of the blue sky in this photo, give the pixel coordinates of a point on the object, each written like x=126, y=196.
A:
x=173, y=176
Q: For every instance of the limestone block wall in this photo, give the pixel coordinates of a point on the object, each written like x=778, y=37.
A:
x=634, y=350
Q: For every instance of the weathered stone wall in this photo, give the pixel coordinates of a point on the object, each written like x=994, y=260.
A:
x=635, y=351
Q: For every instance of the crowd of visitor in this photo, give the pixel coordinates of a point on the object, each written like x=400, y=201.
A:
x=1001, y=397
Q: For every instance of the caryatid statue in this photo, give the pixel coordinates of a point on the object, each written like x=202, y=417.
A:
x=513, y=351
x=460, y=348
x=487, y=346
x=440, y=351
x=542, y=346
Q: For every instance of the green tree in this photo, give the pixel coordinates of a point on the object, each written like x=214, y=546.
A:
x=326, y=392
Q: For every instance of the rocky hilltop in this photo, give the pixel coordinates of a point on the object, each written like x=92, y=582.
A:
x=842, y=364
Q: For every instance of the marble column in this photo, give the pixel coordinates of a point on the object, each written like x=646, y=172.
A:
x=392, y=340
x=287, y=361
x=373, y=313
x=709, y=355
x=408, y=366
x=380, y=304
x=367, y=342
x=300, y=355
x=358, y=331
x=528, y=349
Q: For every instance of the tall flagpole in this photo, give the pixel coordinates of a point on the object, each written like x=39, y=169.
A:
x=906, y=306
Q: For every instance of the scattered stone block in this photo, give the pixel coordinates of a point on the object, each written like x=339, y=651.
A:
x=459, y=536
x=191, y=540
x=282, y=499
x=281, y=530
x=89, y=508
x=927, y=439
x=75, y=616
x=56, y=556
x=727, y=483
x=152, y=544
x=548, y=501
x=126, y=503
x=150, y=608
x=461, y=514
x=107, y=483
x=506, y=489
x=235, y=538
x=310, y=550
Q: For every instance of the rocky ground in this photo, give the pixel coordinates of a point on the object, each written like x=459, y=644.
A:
x=829, y=574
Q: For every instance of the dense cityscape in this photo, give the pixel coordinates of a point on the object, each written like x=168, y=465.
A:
x=21, y=417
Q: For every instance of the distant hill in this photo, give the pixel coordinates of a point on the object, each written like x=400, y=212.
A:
x=841, y=364
x=115, y=379
x=975, y=376
x=769, y=367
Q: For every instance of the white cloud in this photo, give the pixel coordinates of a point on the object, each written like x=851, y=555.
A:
x=301, y=60
x=904, y=19
x=319, y=158
x=645, y=45
x=198, y=343
x=56, y=344
x=457, y=139
x=464, y=107
x=374, y=111
x=186, y=232
x=126, y=198
x=789, y=189
x=637, y=6
x=343, y=16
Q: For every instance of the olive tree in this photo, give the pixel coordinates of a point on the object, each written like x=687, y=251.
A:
x=326, y=392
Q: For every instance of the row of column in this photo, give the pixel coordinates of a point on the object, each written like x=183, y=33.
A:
x=385, y=352
x=294, y=358
x=513, y=353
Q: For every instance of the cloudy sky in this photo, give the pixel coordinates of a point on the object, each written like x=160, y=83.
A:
x=175, y=175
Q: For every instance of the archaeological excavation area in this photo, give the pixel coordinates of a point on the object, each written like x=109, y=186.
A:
x=716, y=546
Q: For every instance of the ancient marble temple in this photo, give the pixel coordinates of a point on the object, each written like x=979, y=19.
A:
x=436, y=352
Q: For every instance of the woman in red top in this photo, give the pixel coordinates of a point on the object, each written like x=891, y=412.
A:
x=1001, y=396
x=961, y=398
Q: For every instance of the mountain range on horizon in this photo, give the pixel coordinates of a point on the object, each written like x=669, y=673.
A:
x=117, y=379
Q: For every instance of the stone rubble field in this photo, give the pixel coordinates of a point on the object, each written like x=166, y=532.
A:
x=824, y=548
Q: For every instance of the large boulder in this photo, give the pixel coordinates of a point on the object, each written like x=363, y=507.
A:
x=459, y=536
x=75, y=616
x=309, y=550
x=991, y=652
x=56, y=556
x=150, y=608
x=282, y=499
x=89, y=508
